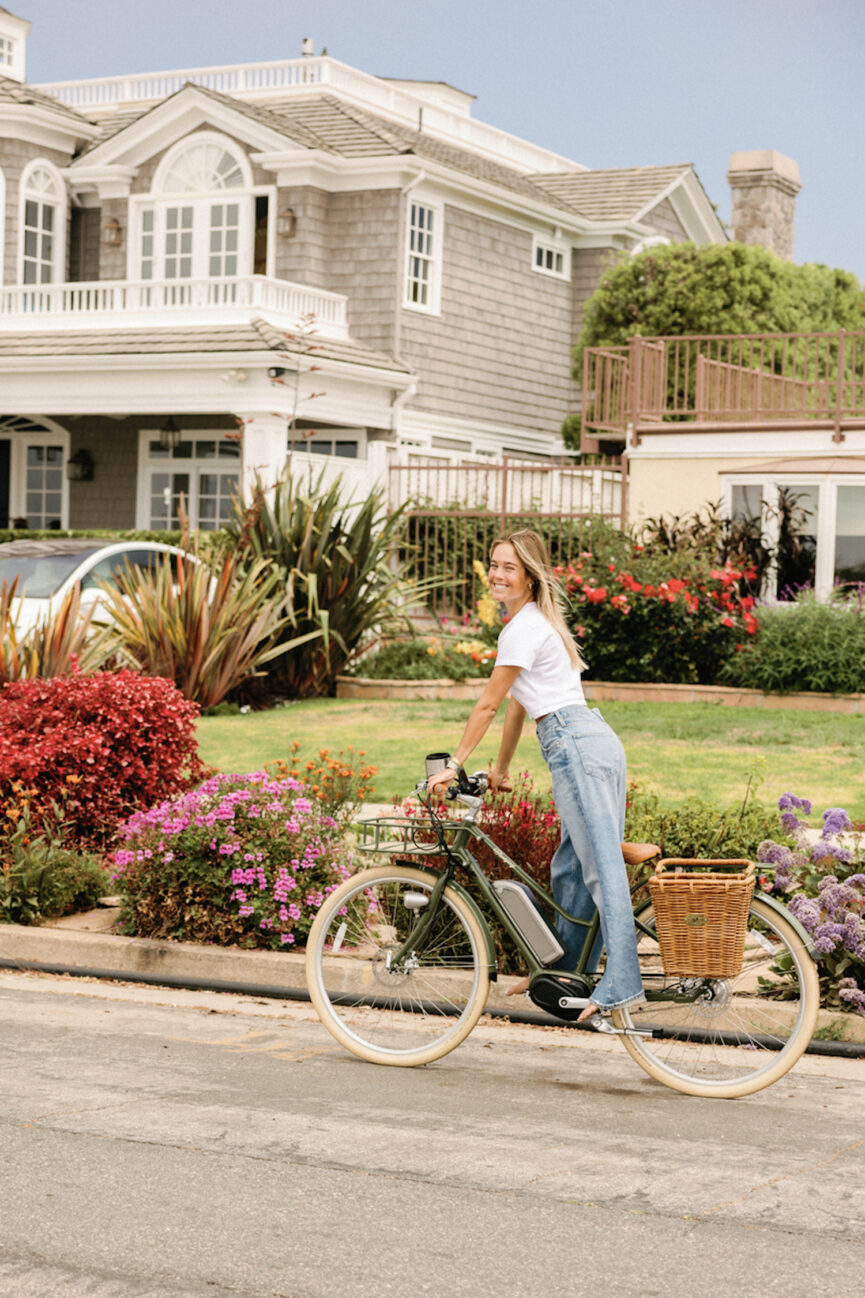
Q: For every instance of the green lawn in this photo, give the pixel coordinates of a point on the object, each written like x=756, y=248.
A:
x=677, y=750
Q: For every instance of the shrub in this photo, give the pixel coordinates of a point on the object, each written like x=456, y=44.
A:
x=99, y=747
x=634, y=624
x=65, y=642
x=804, y=645
x=39, y=877
x=824, y=875
x=695, y=828
x=335, y=559
x=208, y=629
x=244, y=859
x=424, y=660
x=337, y=783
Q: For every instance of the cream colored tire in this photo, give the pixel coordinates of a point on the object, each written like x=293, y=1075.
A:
x=401, y=1017
x=696, y=1056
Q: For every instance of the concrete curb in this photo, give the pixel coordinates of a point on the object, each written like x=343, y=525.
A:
x=278, y=974
x=360, y=687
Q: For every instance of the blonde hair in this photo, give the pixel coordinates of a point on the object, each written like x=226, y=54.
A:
x=531, y=551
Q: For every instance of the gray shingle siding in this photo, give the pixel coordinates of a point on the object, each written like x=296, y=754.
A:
x=664, y=221
x=500, y=351
x=361, y=261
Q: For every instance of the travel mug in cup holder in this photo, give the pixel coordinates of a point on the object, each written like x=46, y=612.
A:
x=435, y=762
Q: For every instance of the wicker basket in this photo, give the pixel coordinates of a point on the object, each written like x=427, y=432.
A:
x=701, y=915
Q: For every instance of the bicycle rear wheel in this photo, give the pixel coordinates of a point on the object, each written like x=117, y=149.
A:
x=741, y=1033
x=405, y=1014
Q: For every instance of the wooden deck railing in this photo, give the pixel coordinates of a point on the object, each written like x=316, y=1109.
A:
x=721, y=382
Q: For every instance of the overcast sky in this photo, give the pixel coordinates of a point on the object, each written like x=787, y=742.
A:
x=610, y=83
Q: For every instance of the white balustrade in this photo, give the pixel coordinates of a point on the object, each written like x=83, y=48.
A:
x=136, y=304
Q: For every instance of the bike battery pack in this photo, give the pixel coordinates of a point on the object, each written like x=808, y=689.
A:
x=519, y=902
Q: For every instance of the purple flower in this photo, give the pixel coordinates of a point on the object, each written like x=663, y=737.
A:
x=789, y=801
x=835, y=821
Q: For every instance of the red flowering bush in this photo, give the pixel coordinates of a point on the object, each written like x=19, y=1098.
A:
x=99, y=747
x=639, y=622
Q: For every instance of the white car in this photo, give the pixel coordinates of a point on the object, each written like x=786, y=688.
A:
x=46, y=570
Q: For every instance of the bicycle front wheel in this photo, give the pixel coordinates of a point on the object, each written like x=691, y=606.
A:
x=401, y=1012
x=739, y=1034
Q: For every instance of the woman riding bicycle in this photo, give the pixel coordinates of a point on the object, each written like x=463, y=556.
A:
x=538, y=664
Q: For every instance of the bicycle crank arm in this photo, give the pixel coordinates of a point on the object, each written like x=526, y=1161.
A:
x=598, y=1022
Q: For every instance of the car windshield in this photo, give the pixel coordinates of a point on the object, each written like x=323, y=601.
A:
x=39, y=575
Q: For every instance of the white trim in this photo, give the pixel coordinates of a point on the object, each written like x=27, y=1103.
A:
x=2, y=225
x=20, y=440
x=147, y=467
x=186, y=145
x=652, y=241
x=59, y=232
x=559, y=248
x=417, y=199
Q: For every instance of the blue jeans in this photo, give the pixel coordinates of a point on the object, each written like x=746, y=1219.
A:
x=587, y=763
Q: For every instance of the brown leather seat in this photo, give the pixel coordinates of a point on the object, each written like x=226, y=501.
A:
x=637, y=853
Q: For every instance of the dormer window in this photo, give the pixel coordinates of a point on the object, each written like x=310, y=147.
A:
x=8, y=52
x=199, y=220
x=43, y=219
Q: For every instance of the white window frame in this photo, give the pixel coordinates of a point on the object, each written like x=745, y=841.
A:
x=148, y=465
x=160, y=199
x=551, y=250
x=21, y=440
x=827, y=512
x=2, y=225
x=59, y=203
x=433, y=259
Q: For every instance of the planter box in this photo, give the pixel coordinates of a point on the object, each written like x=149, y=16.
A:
x=362, y=687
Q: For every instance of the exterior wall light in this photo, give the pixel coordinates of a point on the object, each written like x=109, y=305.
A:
x=112, y=233
x=79, y=467
x=169, y=435
x=286, y=222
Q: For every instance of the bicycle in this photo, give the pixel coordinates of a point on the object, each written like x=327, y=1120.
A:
x=400, y=957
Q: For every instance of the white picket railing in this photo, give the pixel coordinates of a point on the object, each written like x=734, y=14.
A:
x=127, y=303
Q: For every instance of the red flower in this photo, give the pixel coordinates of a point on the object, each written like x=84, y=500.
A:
x=595, y=595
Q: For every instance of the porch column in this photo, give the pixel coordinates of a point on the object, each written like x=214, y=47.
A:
x=263, y=449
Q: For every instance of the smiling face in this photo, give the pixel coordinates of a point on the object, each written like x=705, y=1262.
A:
x=510, y=584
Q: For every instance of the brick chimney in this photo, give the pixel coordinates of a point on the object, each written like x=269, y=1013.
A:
x=763, y=187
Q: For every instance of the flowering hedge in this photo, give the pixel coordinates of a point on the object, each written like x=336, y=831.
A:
x=825, y=884
x=98, y=746
x=639, y=622
x=244, y=859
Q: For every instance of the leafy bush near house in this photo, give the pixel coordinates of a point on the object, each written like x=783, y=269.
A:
x=696, y=828
x=39, y=877
x=209, y=628
x=98, y=747
x=822, y=880
x=336, y=559
x=638, y=621
x=244, y=859
x=62, y=644
x=425, y=660
x=804, y=645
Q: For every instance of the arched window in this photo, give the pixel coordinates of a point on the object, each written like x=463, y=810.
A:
x=43, y=216
x=199, y=220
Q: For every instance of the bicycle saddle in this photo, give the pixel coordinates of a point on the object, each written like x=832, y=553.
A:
x=637, y=853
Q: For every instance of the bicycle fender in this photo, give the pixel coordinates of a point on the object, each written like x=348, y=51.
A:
x=483, y=923
x=780, y=909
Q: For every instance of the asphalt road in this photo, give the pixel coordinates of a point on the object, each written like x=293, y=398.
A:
x=175, y=1144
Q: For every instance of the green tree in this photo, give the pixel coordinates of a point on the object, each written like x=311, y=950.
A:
x=716, y=289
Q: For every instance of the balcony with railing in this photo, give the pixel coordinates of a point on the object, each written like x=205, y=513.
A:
x=151, y=304
x=724, y=383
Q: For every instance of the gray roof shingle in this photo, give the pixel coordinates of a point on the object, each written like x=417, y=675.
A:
x=256, y=336
x=18, y=92
x=611, y=193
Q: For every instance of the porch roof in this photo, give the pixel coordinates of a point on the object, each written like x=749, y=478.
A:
x=257, y=336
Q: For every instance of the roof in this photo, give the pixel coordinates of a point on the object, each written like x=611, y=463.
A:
x=612, y=193
x=808, y=464
x=331, y=125
x=256, y=336
x=17, y=92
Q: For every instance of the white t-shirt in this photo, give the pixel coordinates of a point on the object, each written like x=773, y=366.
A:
x=549, y=680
